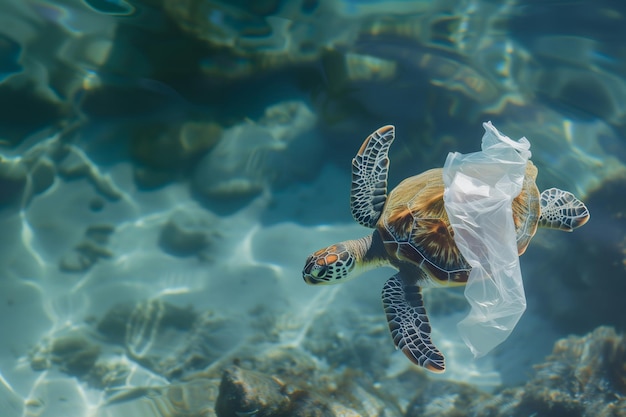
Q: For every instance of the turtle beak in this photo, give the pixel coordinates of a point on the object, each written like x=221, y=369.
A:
x=309, y=280
x=306, y=272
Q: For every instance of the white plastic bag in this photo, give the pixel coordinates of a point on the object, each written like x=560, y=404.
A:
x=479, y=191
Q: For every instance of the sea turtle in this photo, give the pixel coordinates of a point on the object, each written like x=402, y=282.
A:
x=412, y=234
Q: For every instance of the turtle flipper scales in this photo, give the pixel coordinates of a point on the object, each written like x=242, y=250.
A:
x=409, y=325
x=562, y=210
x=369, y=177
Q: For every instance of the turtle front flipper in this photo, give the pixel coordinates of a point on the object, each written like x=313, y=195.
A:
x=409, y=325
x=369, y=177
x=562, y=210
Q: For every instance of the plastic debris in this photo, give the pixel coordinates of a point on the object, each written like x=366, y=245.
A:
x=479, y=191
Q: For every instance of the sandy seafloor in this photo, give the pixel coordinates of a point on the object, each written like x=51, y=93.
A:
x=253, y=265
x=215, y=242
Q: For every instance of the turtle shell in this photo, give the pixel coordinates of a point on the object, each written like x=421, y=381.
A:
x=415, y=227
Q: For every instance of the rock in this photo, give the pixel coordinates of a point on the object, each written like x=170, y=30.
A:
x=333, y=342
x=99, y=233
x=262, y=35
x=88, y=251
x=163, y=152
x=188, y=234
x=190, y=398
x=13, y=180
x=245, y=392
x=253, y=154
x=42, y=175
x=169, y=340
x=236, y=166
x=76, y=356
x=75, y=262
x=150, y=179
x=92, y=250
x=96, y=204
x=303, y=404
x=73, y=354
x=75, y=164
x=109, y=373
x=584, y=376
x=196, y=137
x=28, y=105
x=113, y=325
x=105, y=186
x=437, y=398
x=156, y=146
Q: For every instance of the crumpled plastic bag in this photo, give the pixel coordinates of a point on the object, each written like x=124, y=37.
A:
x=479, y=191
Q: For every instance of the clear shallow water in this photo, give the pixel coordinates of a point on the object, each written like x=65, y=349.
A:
x=167, y=166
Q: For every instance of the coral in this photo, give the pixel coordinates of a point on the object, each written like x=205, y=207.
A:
x=583, y=377
x=245, y=392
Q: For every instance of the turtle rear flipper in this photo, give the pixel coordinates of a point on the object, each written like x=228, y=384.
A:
x=369, y=177
x=562, y=210
x=409, y=325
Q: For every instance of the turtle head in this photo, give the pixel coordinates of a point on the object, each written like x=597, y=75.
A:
x=330, y=265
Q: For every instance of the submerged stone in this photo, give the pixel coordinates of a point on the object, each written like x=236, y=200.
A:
x=247, y=393
x=87, y=252
x=74, y=354
x=253, y=155
x=188, y=234
x=13, y=180
x=163, y=152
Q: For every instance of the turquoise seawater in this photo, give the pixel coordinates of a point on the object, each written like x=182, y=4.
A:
x=167, y=166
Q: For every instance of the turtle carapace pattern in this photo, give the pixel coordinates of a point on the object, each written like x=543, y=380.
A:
x=412, y=234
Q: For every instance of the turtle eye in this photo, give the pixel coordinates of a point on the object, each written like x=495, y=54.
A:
x=319, y=271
